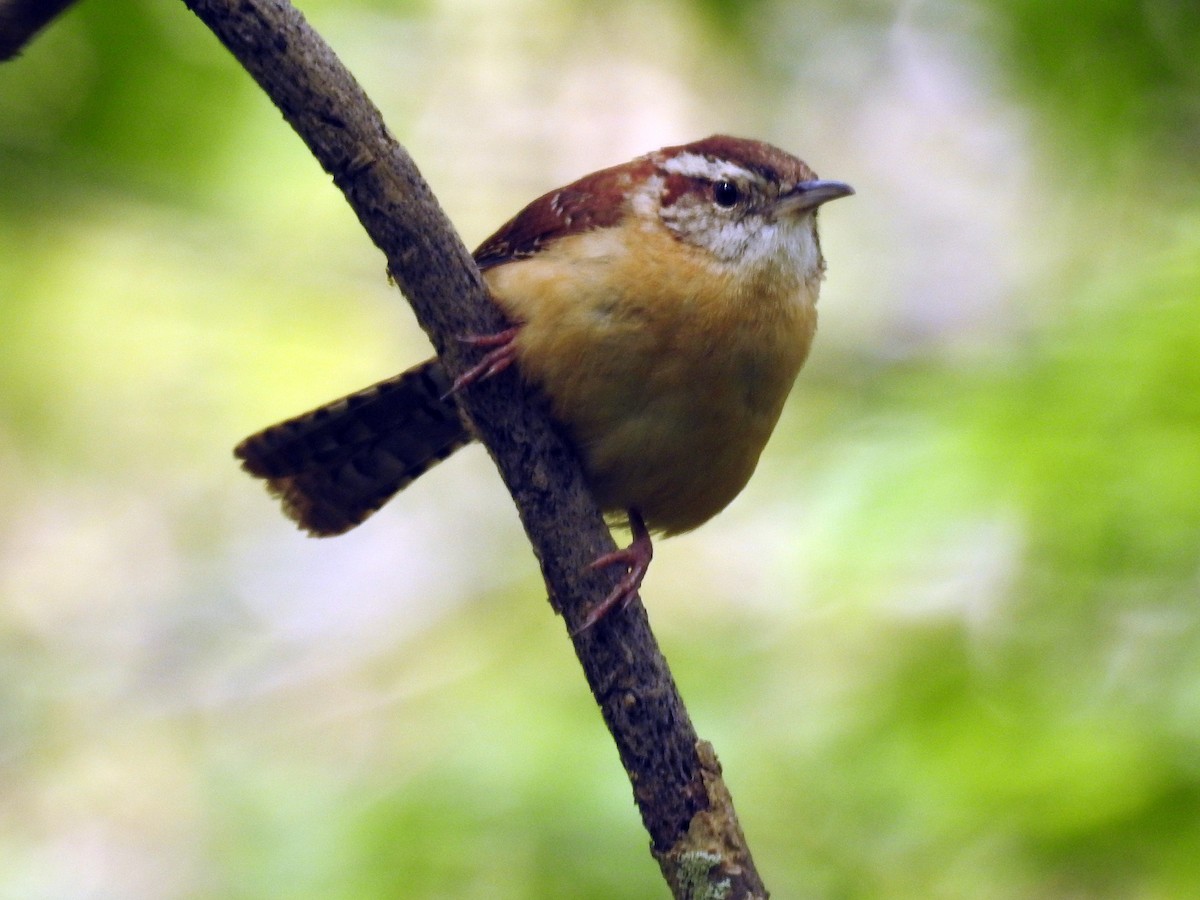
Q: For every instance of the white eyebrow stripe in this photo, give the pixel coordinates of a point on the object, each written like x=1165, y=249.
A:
x=693, y=165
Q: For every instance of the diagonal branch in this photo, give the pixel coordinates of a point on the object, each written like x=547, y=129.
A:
x=676, y=779
x=21, y=20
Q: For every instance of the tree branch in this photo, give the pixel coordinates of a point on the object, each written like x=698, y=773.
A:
x=20, y=20
x=676, y=779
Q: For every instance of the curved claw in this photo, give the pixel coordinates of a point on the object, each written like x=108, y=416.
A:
x=502, y=355
x=635, y=559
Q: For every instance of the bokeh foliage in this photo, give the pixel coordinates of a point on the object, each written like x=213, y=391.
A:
x=947, y=645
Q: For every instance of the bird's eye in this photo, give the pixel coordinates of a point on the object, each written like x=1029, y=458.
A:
x=725, y=193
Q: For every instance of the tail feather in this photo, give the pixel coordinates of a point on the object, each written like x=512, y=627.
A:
x=334, y=466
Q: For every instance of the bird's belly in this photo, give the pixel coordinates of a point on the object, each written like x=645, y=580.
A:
x=678, y=470
x=677, y=438
x=670, y=392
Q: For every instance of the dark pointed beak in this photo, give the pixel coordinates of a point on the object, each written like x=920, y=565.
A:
x=808, y=195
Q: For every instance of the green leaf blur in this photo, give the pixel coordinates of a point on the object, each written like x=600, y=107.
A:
x=947, y=643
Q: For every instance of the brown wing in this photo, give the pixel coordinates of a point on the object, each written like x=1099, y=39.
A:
x=336, y=465
x=594, y=201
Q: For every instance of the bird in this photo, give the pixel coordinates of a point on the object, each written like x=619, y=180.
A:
x=664, y=306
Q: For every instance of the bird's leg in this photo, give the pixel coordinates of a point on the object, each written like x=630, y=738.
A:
x=503, y=353
x=636, y=561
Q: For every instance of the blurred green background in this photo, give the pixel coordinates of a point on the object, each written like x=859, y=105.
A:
x=947, y=643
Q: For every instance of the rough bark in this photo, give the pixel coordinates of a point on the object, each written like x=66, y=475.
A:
x=676, y=779
x=20, y=20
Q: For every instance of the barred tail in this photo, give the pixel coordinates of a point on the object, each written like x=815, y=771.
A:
x=336, y=465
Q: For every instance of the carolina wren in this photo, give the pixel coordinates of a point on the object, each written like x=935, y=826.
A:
x=664, y=306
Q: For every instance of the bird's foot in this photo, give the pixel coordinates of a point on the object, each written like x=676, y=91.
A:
x=635, y=559
x=503, y=353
